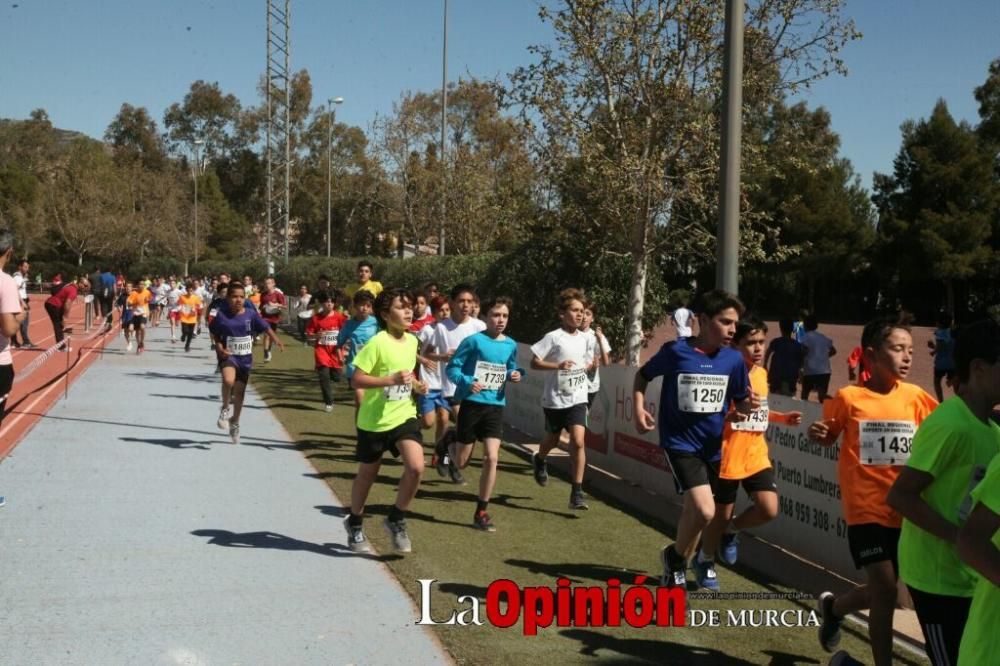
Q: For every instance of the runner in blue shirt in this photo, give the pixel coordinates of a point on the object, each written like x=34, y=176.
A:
x=233, y=330
x=480, y=369
x=702, y=376
x=358, y=330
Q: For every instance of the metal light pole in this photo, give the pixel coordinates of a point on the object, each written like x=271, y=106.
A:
x=444, y=114
x=195, y=172
x=727, y=274
x=329, y=164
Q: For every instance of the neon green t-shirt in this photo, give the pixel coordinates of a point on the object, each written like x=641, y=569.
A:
x=981, y=640
x=954, y=447
x=385, y=408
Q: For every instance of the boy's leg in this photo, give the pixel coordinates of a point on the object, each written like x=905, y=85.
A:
x=725, y=503
x=882, y=605
x=577, y=452
x=324, y=384
x=412, y=454
x=238, y=393
x=697, y=512
x=363, y=481
x=942, y=620
x=488, y=477
x=763, y=510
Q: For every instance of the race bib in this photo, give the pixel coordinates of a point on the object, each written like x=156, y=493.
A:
x=213, y=312
x=978, y=474
x=757, y=421
x=306, y=314
x=241, y=346
x=886, y=442
x=139, y=312
x=572, y=380
x=187, y=309
x=272, y=309
x=701, y=394
x=329, y=338
x=397, y=392
x=491, y=375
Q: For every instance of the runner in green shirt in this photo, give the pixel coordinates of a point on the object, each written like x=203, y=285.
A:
x=387, y=417
x=950, y=453
x=979, y=546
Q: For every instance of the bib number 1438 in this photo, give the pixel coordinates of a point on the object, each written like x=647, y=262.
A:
x=886, y=442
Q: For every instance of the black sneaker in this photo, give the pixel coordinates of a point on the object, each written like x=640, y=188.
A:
x=483, y=522
x=541, y=470
x=396, y=529
x=672, y=577
x=440, y=459
x=829, y=623
x=577, y=502
x=455, y=473
x=356, y=540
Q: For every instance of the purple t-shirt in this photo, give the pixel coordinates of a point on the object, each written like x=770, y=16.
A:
x=236, y=332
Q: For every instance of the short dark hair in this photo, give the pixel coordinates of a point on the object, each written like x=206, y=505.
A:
x=324, y=276
x=322, y=296
x=880, y=328
x=747, y=325
x=711, y=303
x=945, y=320
x=500, y=300
x=462, y=288
x=234, y=285
x=567, y=296
x=365, y=262
x=810, y=323
x=980, y=339
x=786, y=326
x=386, y=299
x=363, y=296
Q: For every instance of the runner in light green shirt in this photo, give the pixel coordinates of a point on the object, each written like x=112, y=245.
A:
x=979, y=544
x=949, y=456
x=387, y=417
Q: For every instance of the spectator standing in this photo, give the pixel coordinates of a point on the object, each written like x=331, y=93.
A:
x=302, y=306
x=783, y=360
x=682, y=321
x=816, y=369
x=10, y=318
x=942, y=349
x=21, y=280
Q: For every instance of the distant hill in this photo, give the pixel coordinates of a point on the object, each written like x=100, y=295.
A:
x=63, y=137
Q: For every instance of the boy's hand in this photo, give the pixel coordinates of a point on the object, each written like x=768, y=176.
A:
x=281, y=345
x=420, y=387
x=819, y=430
x=793, y=418
x=476, y=387
x=566, y=365
x=515, y=376
x=403, y=377
x=427, y=363
x=734, y=416
x=644, y=421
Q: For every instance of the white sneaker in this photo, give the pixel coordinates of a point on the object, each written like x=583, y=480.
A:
x=223, y=421
x=328, y=408
x=128, y=346
x=234, y=432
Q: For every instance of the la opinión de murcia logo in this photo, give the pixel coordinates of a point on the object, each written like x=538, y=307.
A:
x=566, y=605
x=637, y=605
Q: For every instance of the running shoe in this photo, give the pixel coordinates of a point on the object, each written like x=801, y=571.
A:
x=729, y=548
x=328, y=408
x=3, y=500
x=128, y=346
x=829, y=623
x=541, y=469
x=440, y=458
x=223, y=421
x=577, y=503
x=28, y=345
x=704, y=573
x=397, y=532
x=455, y=473
x=483, y=522
x=356, y=540
x=140, y=349
x=672, y=577
x=267, y=357
x=234, y=432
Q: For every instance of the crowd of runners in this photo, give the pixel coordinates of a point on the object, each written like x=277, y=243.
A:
x=919, y=480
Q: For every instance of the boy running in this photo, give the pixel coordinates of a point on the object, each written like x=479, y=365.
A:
x=365, y=281
x=878, y=422
x=173, y=309
x=384, y=370
x=564, y=399
x=702, y=376
x=358, y=330
x=272, y=304
x=432, y=406
x=324, y=330
x=138, y=304
x=480, y=369
x=951, y=452
x=745, y=461
x=233, y=330
x=598, y=348
x=189, y=307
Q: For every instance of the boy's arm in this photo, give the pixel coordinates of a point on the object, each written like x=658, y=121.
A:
x=644, y=421
x=363, y=380
x=904, y=497
x=975, y=543
x=787, y=418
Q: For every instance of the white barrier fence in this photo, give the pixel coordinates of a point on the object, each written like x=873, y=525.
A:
x=810, y=523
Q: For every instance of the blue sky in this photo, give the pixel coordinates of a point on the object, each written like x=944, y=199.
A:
x=81, y=59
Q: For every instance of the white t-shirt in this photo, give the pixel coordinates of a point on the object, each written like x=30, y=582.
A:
x=564, y=388
x=447, y=336
x=817, y=361
x=432, y=377
x=22, y=285
x=594, y=378
x=682, y=321
x=173, y=296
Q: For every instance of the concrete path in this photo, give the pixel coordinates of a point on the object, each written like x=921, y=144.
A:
x=135, y=533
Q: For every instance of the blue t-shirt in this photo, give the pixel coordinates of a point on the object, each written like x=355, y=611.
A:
x=495, y=359
x=944, y=349
x=695, y=396
x=359, y=333
x=237, y=332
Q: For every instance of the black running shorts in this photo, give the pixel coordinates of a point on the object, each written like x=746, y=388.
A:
x=371, y=445
x=479, y=421
x=691, y=470
x=871, y=543
x=727, y=489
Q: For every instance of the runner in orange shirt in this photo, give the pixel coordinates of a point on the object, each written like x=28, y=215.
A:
x=745, y=459
x=138, y=304
x=189, y=306
x=877, y=421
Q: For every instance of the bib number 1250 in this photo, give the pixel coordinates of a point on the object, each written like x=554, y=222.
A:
x=701, y=394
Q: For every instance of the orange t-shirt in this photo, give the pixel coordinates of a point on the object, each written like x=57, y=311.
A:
x=138, y=302
x=744, y=451
x=885, y=424
x=189, y=308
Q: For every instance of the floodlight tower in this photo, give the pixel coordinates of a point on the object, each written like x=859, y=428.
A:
x=279, y=161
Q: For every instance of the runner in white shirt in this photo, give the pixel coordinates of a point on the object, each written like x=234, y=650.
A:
x=432, y=406
x=564, y=351
x=174, y=294
x=598, y=347
x=448, y=334
x=21, y=280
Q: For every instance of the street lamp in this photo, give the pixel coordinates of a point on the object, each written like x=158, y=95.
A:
x=195, y=172
x=329, y=163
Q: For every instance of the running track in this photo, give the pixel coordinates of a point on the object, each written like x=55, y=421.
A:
x=34, y=394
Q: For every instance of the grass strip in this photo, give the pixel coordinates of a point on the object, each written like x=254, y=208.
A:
x=538, y=540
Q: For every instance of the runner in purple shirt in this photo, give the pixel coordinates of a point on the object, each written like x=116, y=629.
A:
x=233, y=331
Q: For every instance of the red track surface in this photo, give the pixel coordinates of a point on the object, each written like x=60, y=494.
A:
x=35, y=393
x=845, y=338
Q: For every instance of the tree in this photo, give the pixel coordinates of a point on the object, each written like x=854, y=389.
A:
x=935, y=209
x=206, y=114
x=627, y=100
